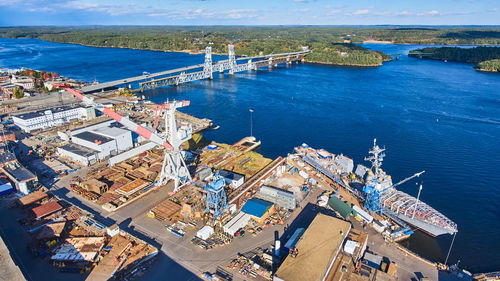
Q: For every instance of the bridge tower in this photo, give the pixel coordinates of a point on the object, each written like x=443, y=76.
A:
x=231, y=58
x=207, y=67
x=174, y=167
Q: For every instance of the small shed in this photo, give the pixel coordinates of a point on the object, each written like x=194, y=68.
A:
x=6, y=188
x=113, y=230
x=205, y=232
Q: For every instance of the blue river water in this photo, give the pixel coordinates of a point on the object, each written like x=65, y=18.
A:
x=443, y=118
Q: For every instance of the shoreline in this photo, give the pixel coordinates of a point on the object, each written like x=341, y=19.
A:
x=343, y=65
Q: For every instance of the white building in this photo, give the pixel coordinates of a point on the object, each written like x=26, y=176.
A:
x=235, y=180
x=26, y=82
x=96, y=142
x=50, y=118
x=282, y=198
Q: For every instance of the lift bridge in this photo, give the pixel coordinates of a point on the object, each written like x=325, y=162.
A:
x=201, y=71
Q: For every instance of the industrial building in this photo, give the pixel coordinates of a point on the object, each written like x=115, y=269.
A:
x=23, y=179
x=235, y=180
x=96, y=142
x=258, y=209
x=44, y=119
x=316, y=250
x=280, y=197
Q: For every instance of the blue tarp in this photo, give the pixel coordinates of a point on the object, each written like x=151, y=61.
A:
x=256, y=207
x=6, y=189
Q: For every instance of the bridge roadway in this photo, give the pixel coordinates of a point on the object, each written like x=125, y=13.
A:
x=110, y=84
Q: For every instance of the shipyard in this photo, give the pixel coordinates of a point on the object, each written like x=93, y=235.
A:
x=102, y=186
x=218, y=152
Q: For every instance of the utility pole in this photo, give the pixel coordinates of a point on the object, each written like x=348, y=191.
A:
x=251, y=122
x=416, y=203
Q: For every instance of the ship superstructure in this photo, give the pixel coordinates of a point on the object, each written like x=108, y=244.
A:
x=382, y=197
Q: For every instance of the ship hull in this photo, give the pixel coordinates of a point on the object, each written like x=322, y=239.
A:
x=428, y=228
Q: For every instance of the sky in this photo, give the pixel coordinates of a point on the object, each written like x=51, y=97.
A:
x=249, y=12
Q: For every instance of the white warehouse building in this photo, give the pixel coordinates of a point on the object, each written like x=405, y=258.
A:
x=44, y=119
x=96, y=142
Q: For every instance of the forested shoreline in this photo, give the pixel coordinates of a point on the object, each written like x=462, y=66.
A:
x=485, y=58
x=329, y=45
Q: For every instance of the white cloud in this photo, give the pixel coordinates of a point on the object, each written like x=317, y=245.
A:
x=361, y=12
x=334, y=12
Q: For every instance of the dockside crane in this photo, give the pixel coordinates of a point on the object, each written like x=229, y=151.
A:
x=174, y=168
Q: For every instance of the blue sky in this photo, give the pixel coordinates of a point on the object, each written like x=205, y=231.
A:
x=249, y=12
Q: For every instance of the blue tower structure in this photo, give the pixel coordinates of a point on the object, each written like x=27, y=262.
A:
x=216, y=195
x=373, y=201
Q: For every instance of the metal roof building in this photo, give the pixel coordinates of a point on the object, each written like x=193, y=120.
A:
x=256, y=207
x=46, y=209
x=317, y=250
x=280, y=197
x=339, y=206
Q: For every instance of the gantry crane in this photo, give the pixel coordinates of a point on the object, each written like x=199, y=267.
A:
x=174, y=167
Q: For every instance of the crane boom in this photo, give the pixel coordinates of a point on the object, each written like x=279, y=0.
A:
x=408, y=178
x=129, y=124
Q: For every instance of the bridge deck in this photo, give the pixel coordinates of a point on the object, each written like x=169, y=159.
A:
x=110, y=84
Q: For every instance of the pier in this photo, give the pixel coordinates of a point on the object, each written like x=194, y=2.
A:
x=201, y=71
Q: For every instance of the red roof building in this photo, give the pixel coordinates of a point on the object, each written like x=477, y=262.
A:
x=46, y=209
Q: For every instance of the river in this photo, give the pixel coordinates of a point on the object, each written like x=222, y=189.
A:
x=440, y=117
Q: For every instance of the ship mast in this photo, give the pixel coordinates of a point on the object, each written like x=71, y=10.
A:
x=376, y=158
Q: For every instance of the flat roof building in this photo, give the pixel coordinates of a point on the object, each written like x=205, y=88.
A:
x=280, y=197
x=97, y=142
x=44, y=119
x=316, y=250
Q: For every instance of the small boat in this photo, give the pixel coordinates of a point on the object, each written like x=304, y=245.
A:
x=215, y=128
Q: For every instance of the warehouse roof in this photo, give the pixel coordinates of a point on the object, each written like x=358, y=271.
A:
x=32, y=197
x=256, y=207
x=21, y=174
x=40, y=113
x=92, y=137
x=78, y=150
x=111, y=131
x=46, y=209
x=230, y=175
x=317, y=249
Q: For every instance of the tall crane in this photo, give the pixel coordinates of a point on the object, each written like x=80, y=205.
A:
x=174, y=167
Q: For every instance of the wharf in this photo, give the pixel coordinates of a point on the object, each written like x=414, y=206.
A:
x=9, y=270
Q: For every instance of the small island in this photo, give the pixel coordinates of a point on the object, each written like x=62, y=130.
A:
x=345, y=55
x=489, y=66
x=486, y=58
